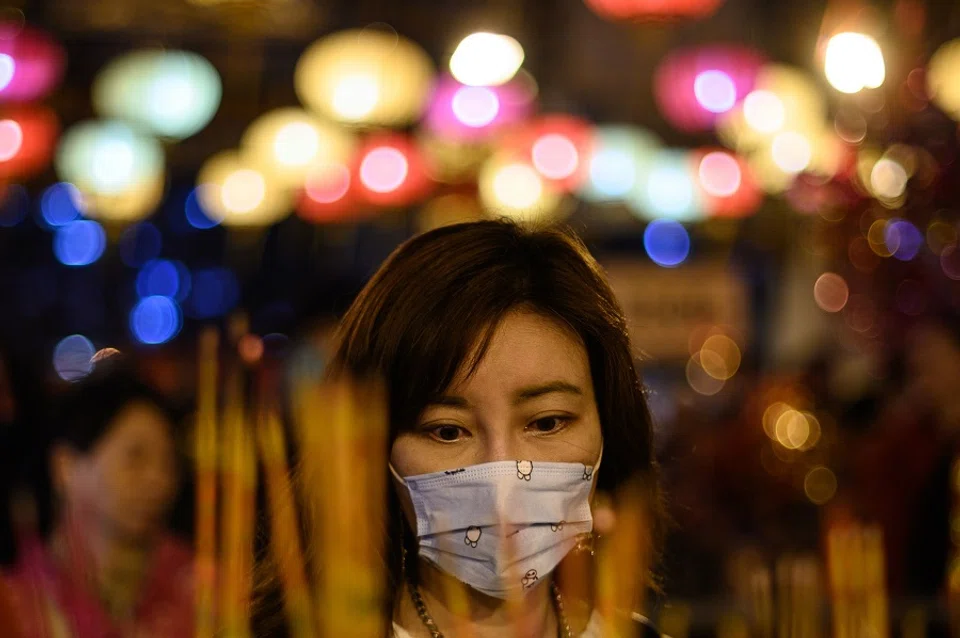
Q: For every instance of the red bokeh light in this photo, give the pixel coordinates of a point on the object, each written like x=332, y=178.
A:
x=390, y=170
x=557, y=146
x=33, y=63
x=643, y=10
x=28, y=136
x=728, y=188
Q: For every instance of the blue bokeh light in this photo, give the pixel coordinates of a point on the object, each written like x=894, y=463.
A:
x=903, y=239
x=60, y=204
x=139, y=244
x=196, y=216
x=165, y=278
x=155, y=320
x=14, y=202
x=73, y=357
x=214, y=292
x=79, y=243
x=667, y=242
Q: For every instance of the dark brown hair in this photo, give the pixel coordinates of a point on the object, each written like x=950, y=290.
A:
x=421, y=316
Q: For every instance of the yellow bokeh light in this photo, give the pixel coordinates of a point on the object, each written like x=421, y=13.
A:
x=820, y=485
x=699, y=380
x=878, y=239
x=791, y=151
x=831, y=292
x=132, y=204
x=888, y=179
x=366, y=77
x=515, y=189
x=943, y=78
x=720, y=357
x=239, y=192
x=770, y=417
x=940, y=235
x=486, y=59
x=792, y=429
x=764, y=111
x=288, y=142
x=853, y=62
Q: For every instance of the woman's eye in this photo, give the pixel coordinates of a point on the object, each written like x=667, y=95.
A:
x=549, y=424
x=447, y=433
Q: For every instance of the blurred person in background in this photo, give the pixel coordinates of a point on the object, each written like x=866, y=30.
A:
x=511, y=383
x=108, y=568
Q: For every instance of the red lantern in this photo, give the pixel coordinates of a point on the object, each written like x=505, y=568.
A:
x=330, y=194
x=695, y=86
x=390, y=170
x=653, y=10
x=31, y=63
x=557, y=146
x=28, y=136
x=726, y=183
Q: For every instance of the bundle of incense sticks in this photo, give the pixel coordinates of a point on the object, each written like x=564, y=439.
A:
x=857, y=581
x=344, y=427
x=205, y=457
x=285, y=538
x=238, y=512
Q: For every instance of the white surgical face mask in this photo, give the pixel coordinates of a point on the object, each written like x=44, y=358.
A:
x=501, y=527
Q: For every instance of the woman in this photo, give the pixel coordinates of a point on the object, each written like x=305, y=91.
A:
x=512, y=397
x=108, y=568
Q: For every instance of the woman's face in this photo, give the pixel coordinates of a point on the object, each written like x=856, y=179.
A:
x=530, y=398
x=128, y=480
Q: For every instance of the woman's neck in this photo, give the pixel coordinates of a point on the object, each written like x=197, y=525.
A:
x=532, y=616
x=114, y=567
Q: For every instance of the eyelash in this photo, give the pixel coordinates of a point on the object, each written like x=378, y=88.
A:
x=564, y=421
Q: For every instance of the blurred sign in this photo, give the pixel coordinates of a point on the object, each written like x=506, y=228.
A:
x=665, y=306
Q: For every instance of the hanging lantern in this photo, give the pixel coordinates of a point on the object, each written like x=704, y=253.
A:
x=391, y=171
x=330, y=194
x=513, y=188
x=173, y=94
x=288, y=142
x=557, y=146
x=461, y=112
x=238, y=192
x=694, y=87
x=31, y=63
x=653, y=10
x=365, y=77
x=28, y=136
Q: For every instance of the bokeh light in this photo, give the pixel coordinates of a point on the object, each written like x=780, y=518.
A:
x=194, y=213
x=28, y=135
x=391, y=170
x=461, y=112
x=237, y=192
x=792, y=429
x=888, y=179
x=328, y=183
x=486, y=59
x=172, y=94
x=853, y=62
x=60, y=204
x=666, y=242
x=720, y=174
x=111, y=159
x=943, y=78
x=903, y=239
x=940, y=235
x=820, y=485
x=653, y=10
x=720, y=356
x=619, y=163
x=365, y=77
x=557, y=146
x=764, y=111
x=513, y=188
x=671, y=189
x=79, y=243
x=287, y=142
x=31, y=63
x=728, y=186
x=165, y=278
x=699, y=380
x=155, y=320
x=831, y=292
x=950, y=262
x=693, y=86
x=73, y=357
x=384, y=169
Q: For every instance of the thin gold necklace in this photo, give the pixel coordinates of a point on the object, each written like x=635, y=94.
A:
x=431, y=625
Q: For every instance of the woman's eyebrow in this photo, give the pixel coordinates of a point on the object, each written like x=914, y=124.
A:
x=521, y=395
x=532, y=392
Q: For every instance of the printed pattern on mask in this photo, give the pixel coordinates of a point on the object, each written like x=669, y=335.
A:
x=556, y=527
x=529, y=579
x=587, y=472
x=524, y=470
x=472, y=536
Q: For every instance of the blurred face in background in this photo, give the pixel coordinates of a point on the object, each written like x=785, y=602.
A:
x=531, y=397
x=126, y=483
